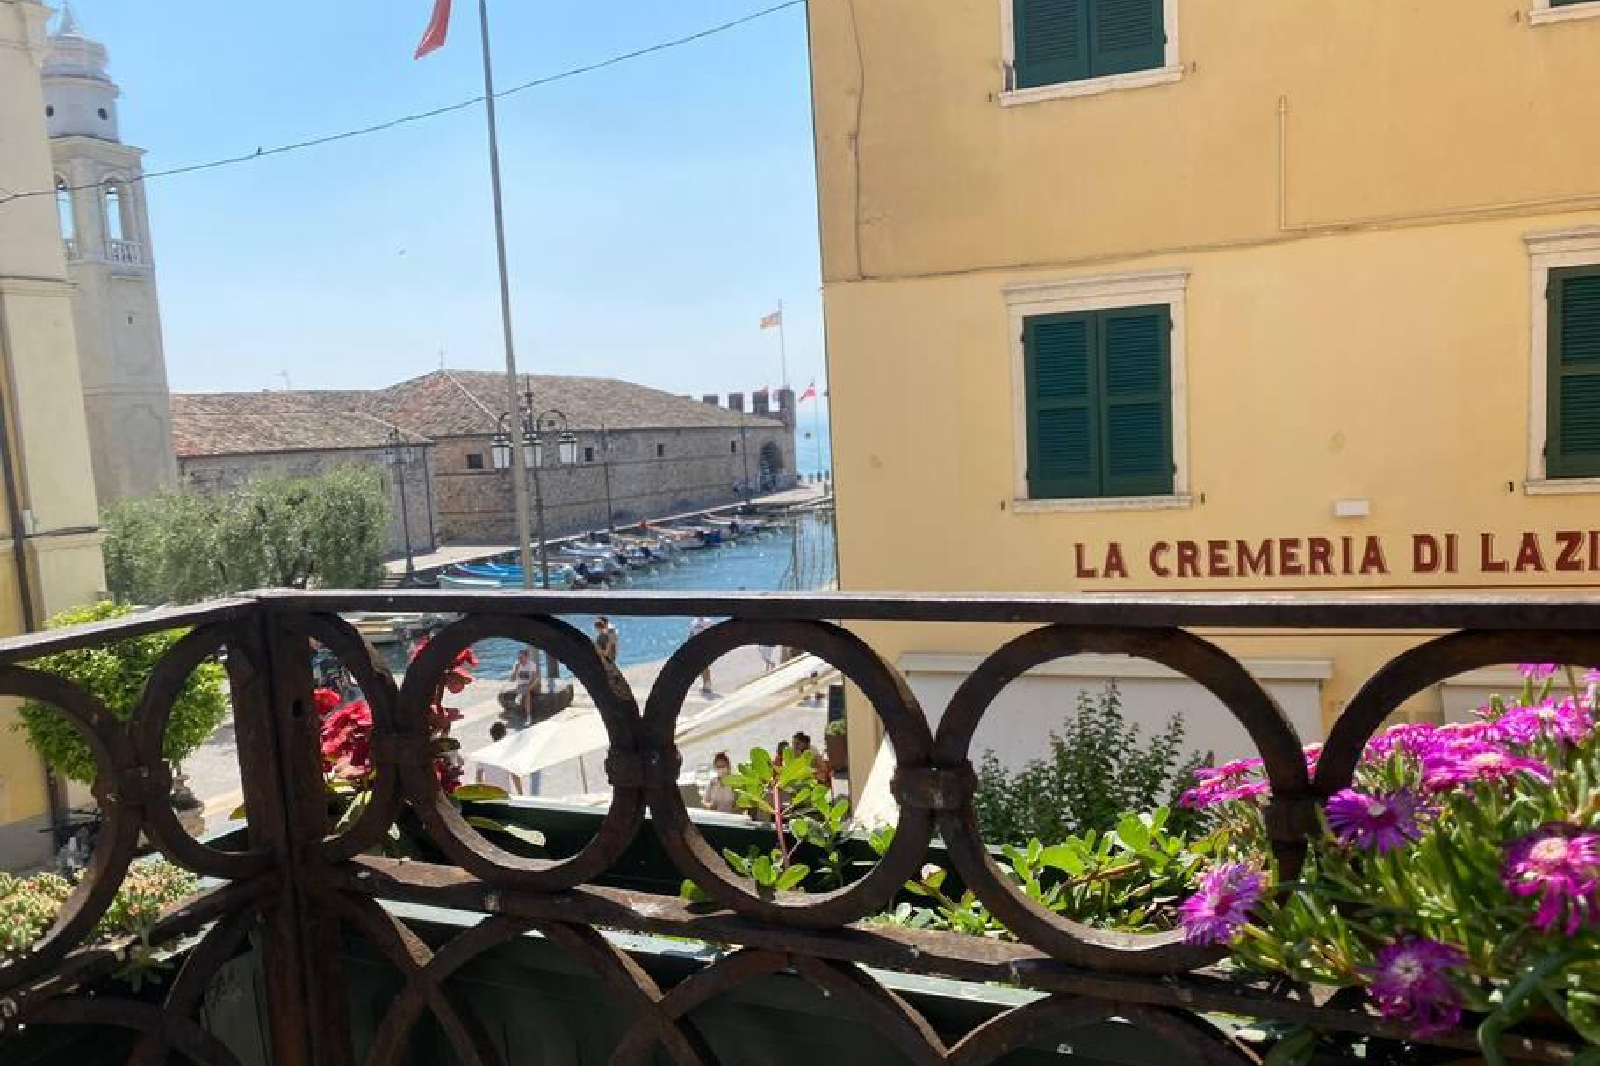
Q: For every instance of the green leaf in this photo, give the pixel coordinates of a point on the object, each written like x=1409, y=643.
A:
x=1519, y=997
x=1064, y=857
x=693, y=893
x=237, y=814
x=477, y=793
x=792, y=877
x=1296, y=1049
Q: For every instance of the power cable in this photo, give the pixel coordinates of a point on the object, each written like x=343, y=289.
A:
x=420, y=116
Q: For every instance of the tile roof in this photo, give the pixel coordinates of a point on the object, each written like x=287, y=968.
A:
x=445, y=403
x=244, y=424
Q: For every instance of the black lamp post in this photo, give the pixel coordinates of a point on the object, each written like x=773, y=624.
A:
x=402, y=455
x=566, y=452
x=605, y=467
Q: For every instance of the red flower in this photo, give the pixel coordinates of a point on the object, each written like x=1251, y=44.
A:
x=347, y=740
x=326, y=700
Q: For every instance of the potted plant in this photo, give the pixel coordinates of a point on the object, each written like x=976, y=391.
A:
x=835, y=739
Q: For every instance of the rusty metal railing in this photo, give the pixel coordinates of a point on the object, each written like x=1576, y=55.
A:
x=304, y=886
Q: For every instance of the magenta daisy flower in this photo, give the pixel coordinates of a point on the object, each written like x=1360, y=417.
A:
x=1538, y=671
x=1412, y=739
x=1382, y=823
x=1221, y=903
x=1454, y=765
x=1410, y=981
x=1559, y=864
x=1565, y=721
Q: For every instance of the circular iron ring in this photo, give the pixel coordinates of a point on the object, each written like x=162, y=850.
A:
x=1176, y=649
x=889, y=696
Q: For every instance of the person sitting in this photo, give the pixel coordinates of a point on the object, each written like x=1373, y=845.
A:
x=802, y=746
x=719, y=795
x=525, y=682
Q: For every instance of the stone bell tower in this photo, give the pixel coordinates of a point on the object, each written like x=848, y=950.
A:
x=100, y=198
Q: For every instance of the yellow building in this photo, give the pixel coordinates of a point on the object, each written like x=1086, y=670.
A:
x=1173, y=295
x=49, y=526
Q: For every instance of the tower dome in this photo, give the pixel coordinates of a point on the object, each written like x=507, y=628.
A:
x=80, y=97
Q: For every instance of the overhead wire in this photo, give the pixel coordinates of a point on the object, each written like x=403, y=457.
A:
x=421, y=116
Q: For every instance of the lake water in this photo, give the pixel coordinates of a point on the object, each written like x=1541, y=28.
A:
x=764, y=564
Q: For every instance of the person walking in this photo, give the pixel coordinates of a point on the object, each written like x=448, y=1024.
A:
x=498, y=776
x=769, y=654
x=605, y=639
x=700, y=624
x=719, y=795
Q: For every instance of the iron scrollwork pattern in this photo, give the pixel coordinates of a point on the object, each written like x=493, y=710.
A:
x=298, y=887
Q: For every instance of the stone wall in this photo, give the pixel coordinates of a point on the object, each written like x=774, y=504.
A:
x=223, y=473
x=653, y=472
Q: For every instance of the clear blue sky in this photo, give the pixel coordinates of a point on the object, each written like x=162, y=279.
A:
x=656, y=209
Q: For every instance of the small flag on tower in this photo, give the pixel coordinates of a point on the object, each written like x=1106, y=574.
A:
x=809, y=394
x=438, y=29
x=773, y=321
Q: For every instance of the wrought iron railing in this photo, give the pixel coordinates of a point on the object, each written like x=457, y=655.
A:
x=302, y=886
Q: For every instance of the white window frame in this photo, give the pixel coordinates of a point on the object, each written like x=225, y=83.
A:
x=1542, y=12
x=1103, y=292
x=1546, y=252
x=1171, y=69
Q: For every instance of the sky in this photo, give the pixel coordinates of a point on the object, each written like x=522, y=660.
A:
x=656, y=210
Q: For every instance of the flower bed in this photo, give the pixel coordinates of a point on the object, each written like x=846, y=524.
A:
x=1458, y=875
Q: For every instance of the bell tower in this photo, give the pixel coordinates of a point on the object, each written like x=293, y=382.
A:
x=105, y=224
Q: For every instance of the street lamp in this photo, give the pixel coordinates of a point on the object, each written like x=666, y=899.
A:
x=534, y=428
x=605, y=466
x=402, y=455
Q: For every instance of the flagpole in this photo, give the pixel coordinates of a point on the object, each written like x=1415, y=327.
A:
x=816, y=428
x=783, y=350
x=519, y=471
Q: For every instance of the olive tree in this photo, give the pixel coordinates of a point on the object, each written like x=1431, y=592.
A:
x=279, y=532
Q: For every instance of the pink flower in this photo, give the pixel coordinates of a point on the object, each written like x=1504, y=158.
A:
x=1468, y=763
x=1221, y=904
x=1538, y=671
x=1215, y=792
x=1313, y=752
x=1412, y=739
x=1410, y=981
x=1565, y=721
x=1560, y=864
x=1382, y=823
x=326, y=700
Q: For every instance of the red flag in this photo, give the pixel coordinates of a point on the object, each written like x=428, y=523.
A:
x=438, y=29
x=809, y=394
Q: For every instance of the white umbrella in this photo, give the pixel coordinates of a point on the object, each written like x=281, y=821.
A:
x=572, y=734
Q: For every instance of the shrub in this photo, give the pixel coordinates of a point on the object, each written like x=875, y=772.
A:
x=1098, y=768
x=116, y=673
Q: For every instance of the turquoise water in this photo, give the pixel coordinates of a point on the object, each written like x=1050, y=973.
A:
x=808, y=458
x=760, y=565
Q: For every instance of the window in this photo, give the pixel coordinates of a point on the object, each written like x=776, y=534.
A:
x=49, y=111
x=588, y=455
x=1572, y=426
x=1099, y=400
x=104, y=114
x=69, y=226
x=661, y=450
x=1562, y=10
x=733, y=447
x=1056, y=41
x=114, y=219
x=474, y=460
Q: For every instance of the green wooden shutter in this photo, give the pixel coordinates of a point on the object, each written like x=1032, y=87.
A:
x=1063, y=430
x=1051, y=41
x=1136, y=403
x=1126, y=35
x=1573, y=425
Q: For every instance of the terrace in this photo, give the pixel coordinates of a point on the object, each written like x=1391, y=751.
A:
x=351, y=955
